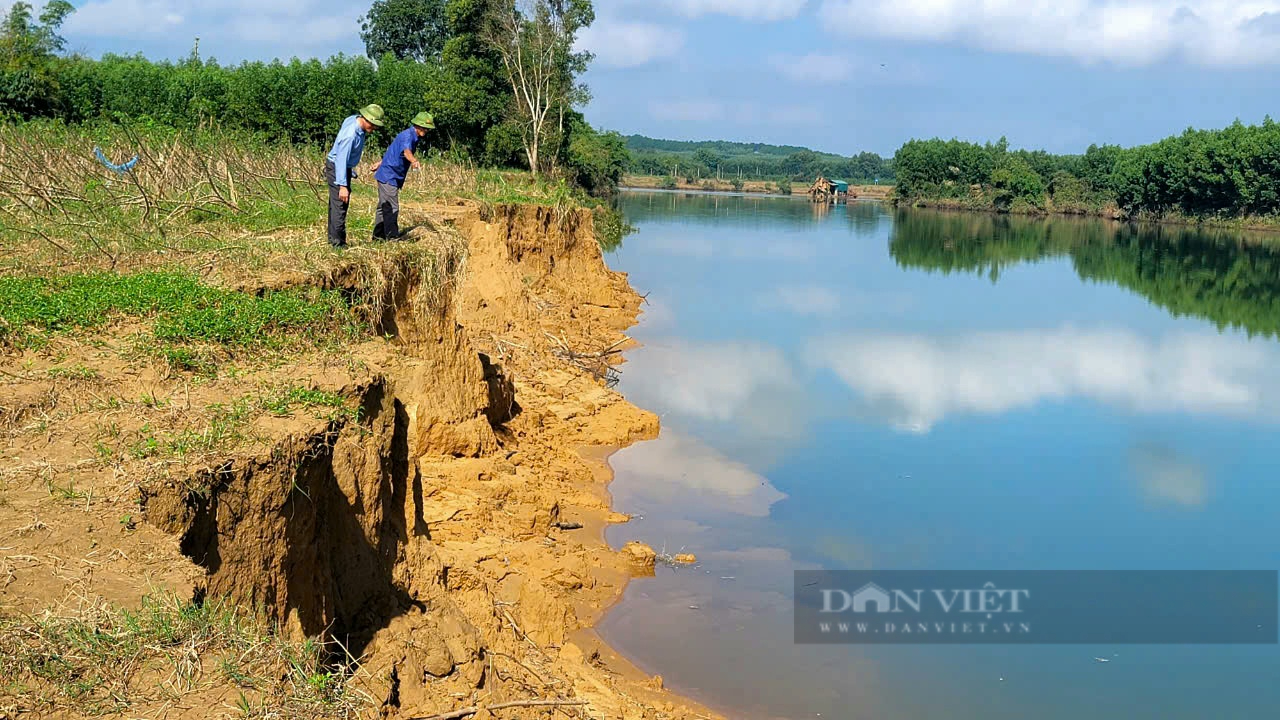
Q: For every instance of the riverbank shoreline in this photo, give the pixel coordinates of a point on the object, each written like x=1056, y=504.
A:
x=1258, y=225
x=749, y=187
x=440, y=525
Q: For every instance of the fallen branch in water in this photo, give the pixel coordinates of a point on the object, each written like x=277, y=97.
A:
x=464, y=712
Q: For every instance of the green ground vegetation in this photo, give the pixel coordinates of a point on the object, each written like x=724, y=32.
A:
x=183, y=309
x=220, y=428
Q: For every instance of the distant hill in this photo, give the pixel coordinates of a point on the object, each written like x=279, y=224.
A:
x=641, y=143
x=697, y=159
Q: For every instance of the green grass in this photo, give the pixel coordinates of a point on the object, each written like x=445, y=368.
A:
x=76, y=372
x=184, y=310
x=218, y=430
x=107, y=661
x=332, y=405
x=226, y=427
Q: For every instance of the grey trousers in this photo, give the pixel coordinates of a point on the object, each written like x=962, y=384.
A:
x=337, y=208
x=386, y=222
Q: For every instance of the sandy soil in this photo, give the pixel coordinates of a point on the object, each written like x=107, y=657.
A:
x=450, y=534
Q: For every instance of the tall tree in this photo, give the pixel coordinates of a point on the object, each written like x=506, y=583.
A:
x=408, y=29
x=471, y=96
x=28, y=49
x=22, y=40
x=534, y=39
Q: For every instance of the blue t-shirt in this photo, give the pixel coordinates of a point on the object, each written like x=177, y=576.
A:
x=394, y=164
x=347, y=150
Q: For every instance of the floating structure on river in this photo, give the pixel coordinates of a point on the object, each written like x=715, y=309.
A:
x=830, y=191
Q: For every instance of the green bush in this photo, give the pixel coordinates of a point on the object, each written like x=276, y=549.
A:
x=1016, y=180
x=611, y=227
x=596, y=159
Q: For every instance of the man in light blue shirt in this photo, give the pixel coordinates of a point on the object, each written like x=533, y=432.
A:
x=339, y=167
x=391, y=174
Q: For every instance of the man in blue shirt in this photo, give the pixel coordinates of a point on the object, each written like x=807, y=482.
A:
x=391, y=173
x=340, y=166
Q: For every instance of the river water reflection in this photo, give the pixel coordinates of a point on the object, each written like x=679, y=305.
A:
x=857, y=387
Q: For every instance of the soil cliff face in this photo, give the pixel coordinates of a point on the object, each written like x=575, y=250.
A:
x=449, y=534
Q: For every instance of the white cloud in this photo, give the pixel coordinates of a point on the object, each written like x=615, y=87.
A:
x=813, y=68
x=757, y=10
x=743, y=397
x=1131, y=32
x=916, y=381
x=676, y=468
x=1164, y=477
x=810, y=300
x=707, y=381
x=628, y=44
x=113, y=18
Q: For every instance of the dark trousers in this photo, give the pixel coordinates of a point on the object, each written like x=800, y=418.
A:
x=386, y=223
x=337, y=208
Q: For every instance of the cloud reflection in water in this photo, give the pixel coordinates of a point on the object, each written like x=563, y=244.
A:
x=916, y=381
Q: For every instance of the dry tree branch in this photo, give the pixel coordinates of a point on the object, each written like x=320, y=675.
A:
x=595, y=364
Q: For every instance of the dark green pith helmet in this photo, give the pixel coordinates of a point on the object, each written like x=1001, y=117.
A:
x=374, y=114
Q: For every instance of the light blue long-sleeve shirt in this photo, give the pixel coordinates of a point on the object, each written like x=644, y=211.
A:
x=347, y=149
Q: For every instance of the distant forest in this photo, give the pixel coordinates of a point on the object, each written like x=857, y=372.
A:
x=695, y=160
x=1224, y=175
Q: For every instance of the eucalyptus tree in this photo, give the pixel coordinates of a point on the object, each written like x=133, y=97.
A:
x=535, y=41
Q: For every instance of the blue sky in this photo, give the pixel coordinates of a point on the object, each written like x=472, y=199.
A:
x=837, y=75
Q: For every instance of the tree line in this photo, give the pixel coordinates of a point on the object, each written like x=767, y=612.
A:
x=1188, y=271
x=460, y=59
x=1204, y=174
x=724, y=147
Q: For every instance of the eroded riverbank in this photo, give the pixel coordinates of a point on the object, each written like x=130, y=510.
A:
x=441, y=527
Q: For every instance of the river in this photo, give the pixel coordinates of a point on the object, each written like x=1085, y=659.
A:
x=861, y=387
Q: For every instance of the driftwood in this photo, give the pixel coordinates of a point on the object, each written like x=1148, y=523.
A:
x=595, y=364
x=467, y=711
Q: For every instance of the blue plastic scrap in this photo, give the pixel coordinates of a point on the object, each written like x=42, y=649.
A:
x=118, y=169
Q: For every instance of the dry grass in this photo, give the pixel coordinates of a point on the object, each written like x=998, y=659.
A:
x=184, y=194
x=103, y=660
x=238, y=213
x=231, y=213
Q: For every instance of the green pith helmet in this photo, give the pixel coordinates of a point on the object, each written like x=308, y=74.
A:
x=374, y=114
x=424, y=120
